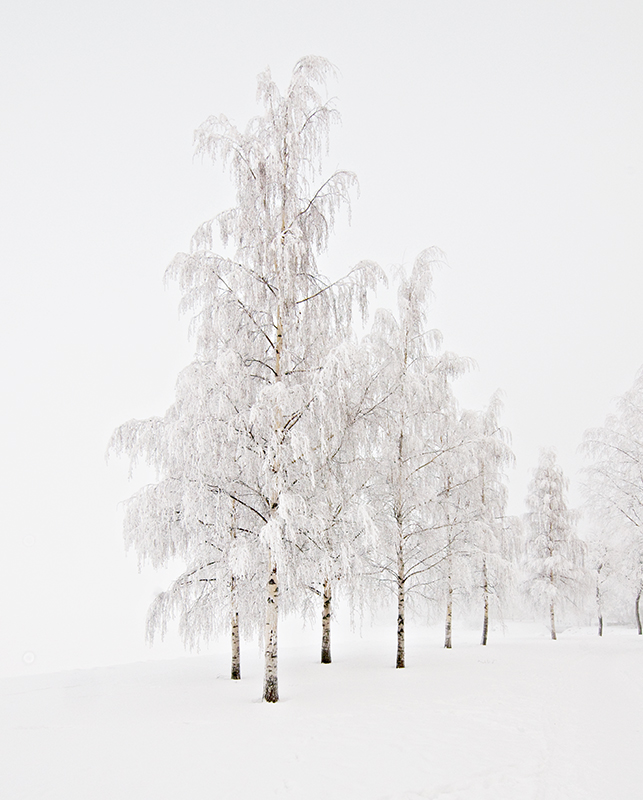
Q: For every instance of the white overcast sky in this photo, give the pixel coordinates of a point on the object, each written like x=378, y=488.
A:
x=507, y=133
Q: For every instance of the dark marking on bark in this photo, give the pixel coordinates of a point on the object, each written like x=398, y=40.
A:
x=270, y=690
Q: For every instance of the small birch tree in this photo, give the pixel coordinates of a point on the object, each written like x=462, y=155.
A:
x=492, y=564
x=456, y=508
x=196, y=512
x=554, y=553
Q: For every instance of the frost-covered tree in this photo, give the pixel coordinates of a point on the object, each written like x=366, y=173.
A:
x=601, y=566
x=477, y=566
x=267, y=322
x=554, y=554
x=411, y=400
x=336, y=541
x=197, y=512
x=456, y=508
x=614, y=486
x=466, y=496
x=491, y=546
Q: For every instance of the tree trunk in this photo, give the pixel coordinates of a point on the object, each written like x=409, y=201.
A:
x=485, y=588
x=638, y=614
x=399, y=662
x=399, y=518
x=235, y=666
x=270, y=689
x=235, y=670
x=552, y=621
x=449, y=567
x=447, y=623
x=599, y=601
x=325, y=648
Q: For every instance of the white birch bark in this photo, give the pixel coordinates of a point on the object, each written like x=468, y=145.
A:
x=599, y=599
x=235, y=668
x=485, y=595
x=270, y=685
x=399, y=662
x=449, y=568
x=449, y=616
x=325, y=648
x=552, y=618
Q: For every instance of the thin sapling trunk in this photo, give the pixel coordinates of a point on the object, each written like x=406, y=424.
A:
x=449, y=614
x=485, y=590
x=552, y=620
x=235, y=666
x=599, y=600
x=449, y=617
x=325, y=648
x=235, y=670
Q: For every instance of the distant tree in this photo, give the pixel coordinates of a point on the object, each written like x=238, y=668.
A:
x=554, y=554
x=267, y=320
x=469, y=511
x=614, y=486
x=601, y=569
x=455, y=508
x=493, y=533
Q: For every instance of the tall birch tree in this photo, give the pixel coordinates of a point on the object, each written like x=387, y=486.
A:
x=267, y=318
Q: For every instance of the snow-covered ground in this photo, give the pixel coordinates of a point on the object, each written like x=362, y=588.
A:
x=522, y=718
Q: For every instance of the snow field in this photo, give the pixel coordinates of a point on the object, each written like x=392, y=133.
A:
x=524, y=718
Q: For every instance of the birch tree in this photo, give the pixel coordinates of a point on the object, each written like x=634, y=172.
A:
x=411, y=397
x=492, y=562
x=267, y=318
x=601, y=562
x=468, y=509
x=456, y=507
x=196, y=512
x=336, y=538
x=554, y=553
x=614, y=487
